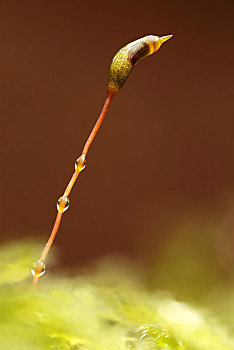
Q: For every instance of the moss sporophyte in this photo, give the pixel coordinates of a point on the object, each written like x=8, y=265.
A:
x=119, y=71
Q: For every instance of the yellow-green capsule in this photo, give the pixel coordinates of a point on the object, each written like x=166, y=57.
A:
x=125, y=59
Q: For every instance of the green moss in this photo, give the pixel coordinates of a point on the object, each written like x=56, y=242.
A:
x=107, y=309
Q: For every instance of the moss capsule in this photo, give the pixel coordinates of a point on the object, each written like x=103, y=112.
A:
x=126, y=58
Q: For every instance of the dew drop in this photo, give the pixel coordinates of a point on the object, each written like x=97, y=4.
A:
x=63, y=204
x=80, y=163
x=38, y=268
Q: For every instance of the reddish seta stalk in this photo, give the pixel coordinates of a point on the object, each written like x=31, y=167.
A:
x=63, y=202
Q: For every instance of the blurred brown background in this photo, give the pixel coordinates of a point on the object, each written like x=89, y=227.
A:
x=165, y=153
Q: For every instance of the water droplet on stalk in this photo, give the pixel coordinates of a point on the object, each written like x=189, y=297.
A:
x=38, y=268
x=63, y=204
x=80, y=163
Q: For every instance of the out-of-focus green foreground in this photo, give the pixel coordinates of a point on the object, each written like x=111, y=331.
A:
x=107, y=308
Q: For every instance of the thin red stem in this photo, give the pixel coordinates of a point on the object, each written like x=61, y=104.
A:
x=97, y=125
x=71, y=184
x=52, y=236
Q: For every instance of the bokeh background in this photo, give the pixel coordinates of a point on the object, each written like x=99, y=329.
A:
x=159, y=182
